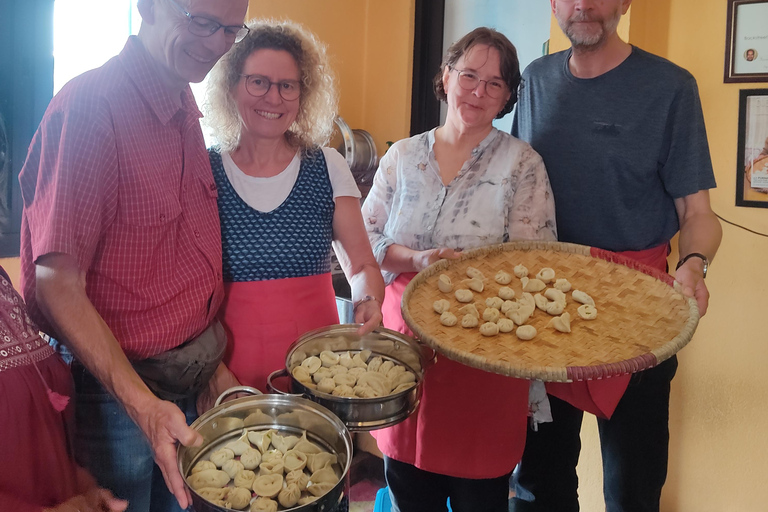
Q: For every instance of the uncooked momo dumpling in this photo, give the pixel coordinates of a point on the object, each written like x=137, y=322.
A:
x=321, y=374
x=284, y=443
x=213, y=493
x=448, y=319
x=506, y=293
x=376, y=381
x=403, y=387
x=262, y=504
x=491, y=314
x=344, y=379
x=520, y=271
x=272, y=456
x=541, y=301
x=312, y=364
x=580, y=296
x=474, y=284
x=562, y=284
x=555, y=308
x=532, y=285
x=469, y=321
x=299, y=478
x=374, y=363
x=561, y=323
x=208, y=478
x=239, y=446
x=335, y=370
x=555, y=295
x=294, y=460
x=203, y=465
x=232, y=467
x=268, y=485
x=509, y=305
x=289, y=495
x=307, y=446
x=275, y=467
x=502, y=277
x=261, y=439
x=444, y=283
x=317, y=461
x=403, y=378
x=363, y=391
x=329, y=358
x=344, y=391
x=505, y=325
x=326, y=385
x=385, y=367
x=320, y=489
x=522, y=315
x=473, y=272
x=245, y=478
x=440, y=306
x=469, y=309
x=345, y=359
x=463, y=295
x=527, y=300
x=494, y=302
x=546, y=275
x=323, y=475
x=302, y=375
x=489, y=329
x=238, y=498
x=587, y=311
x=219, y=457
x=526, y=332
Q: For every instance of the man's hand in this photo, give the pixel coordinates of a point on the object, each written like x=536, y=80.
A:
x=163, y=424
x=691, y=276
x=423, y=259
x=221, y=381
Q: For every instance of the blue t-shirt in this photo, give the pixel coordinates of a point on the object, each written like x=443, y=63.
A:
x=619, y=148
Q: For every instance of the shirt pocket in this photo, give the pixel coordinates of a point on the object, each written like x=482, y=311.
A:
x=149, y=209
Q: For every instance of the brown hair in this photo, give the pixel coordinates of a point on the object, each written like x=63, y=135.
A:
x=510, y=65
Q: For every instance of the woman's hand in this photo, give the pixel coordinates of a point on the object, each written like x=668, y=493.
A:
x=423, y=259
x=95, y=500
x=369, y=314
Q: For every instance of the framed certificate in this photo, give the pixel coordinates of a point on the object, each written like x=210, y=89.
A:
x=746, y=44
x=752, y=158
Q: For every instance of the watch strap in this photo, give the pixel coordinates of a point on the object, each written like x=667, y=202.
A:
x=694, y=255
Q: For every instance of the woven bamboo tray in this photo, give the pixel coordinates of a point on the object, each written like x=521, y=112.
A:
x=643, y=318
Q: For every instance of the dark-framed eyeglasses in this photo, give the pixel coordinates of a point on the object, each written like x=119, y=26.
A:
x=259, y=85
x=206, y=27
x=469, y=81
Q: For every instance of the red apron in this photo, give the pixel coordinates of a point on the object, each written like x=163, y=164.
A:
x=600, y=397
x=470, y=423
x=262, y=318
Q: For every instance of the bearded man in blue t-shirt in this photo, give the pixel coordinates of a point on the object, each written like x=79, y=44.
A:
x=621, y=132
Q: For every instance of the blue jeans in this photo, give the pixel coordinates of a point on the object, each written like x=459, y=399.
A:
x=110, y=445
x=634, y=444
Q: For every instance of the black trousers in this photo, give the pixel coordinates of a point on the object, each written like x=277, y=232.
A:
x=415, y=490
x=634, y=444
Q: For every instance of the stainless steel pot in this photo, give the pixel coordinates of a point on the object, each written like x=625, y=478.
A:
x=361, y=413
x=286, y=413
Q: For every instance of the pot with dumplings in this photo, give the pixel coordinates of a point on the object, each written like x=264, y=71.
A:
x=369, y=382
x=270, y=453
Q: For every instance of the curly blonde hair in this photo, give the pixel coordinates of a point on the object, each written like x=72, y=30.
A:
x=318, y=101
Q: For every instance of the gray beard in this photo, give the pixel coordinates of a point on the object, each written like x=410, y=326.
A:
x=594, y=41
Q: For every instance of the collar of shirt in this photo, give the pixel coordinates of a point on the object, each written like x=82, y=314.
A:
x=477, y=151
x=142, y=71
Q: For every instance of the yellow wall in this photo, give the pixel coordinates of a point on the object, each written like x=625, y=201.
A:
x=13, y=267
x=370, y=43
x=718, y=412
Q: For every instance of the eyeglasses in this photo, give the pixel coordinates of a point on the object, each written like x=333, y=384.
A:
x=470, y=81
x=205, y=27
x=258, y=85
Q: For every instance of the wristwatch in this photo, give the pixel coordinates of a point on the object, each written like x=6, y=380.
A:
x=695, y=255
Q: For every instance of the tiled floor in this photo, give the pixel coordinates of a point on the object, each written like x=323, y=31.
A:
x=367, y=477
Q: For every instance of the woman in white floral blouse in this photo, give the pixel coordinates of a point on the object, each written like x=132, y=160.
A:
x=462, y=185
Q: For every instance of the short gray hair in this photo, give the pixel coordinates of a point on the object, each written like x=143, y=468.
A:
x=318, y=101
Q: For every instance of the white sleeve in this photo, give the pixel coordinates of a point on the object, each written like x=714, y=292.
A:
x=342, y=181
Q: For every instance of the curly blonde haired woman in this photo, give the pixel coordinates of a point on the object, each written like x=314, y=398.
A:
x=283, y=198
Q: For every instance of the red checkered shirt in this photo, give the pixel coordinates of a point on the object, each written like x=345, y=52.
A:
x=117, y=176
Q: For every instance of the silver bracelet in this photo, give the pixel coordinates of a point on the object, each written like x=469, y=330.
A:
x=365, y=299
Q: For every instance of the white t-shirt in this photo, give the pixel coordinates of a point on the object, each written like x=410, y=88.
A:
x=266, y=194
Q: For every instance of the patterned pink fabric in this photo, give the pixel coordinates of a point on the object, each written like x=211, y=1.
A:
x=118, y=176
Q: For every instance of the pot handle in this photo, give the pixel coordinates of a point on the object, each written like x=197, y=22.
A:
x=431, y=354
x=236, y=389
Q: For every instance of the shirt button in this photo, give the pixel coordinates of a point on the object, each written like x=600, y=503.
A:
x=162, y=217
x=212, y=186
x=197, y=234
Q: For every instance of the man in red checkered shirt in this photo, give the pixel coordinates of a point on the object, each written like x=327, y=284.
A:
x=121, y=247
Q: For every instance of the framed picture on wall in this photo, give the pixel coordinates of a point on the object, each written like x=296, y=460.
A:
x=752, y=158
x=746, y=41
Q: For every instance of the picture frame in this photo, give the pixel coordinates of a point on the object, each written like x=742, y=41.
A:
x=752, y=157
x=746, y=42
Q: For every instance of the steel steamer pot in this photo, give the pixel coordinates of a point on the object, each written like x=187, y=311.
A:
x=361, y=414
x=286, y=413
